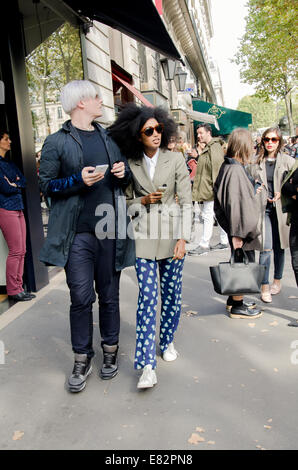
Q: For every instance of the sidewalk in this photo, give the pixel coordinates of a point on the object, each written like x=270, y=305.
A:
x=234, y=385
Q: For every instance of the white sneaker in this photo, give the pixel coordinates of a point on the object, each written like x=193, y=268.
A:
x=148, y=377
x=170, y=354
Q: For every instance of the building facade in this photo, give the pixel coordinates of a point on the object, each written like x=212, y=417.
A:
x=121, y=67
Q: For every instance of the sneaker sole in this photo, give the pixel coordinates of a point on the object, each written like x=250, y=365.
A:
x=141, y=386
x=247, y=317
x=77, y=390
x=108, y=377
x=266, y=301
x=219, y=249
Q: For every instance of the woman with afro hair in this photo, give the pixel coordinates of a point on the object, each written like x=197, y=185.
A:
x=161, y=227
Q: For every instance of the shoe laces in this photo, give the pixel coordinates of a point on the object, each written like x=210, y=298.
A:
x=79, y=368
x=109, y=359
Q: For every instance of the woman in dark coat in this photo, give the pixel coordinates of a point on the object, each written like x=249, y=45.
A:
x=289, y=191
x=237, y=209
x=12, y=221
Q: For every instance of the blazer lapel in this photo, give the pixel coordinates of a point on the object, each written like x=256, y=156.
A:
x=162, y=168
x=140, y=171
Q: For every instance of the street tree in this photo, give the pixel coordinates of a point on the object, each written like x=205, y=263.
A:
x=266, y=113
x=267, y=54
x=50, y=66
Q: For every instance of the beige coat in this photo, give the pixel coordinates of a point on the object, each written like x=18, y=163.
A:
x=258, y=171
x=157, y=227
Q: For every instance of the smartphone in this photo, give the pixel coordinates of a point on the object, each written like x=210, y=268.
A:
x=162, y=188
x=101, y=169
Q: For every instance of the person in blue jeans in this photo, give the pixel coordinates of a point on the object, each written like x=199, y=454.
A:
x=269, y=169
x=161, y=227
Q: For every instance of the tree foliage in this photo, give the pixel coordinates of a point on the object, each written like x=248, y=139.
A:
x=264, y=113
x=51, y=65
x=268, y=48
x=267, y=54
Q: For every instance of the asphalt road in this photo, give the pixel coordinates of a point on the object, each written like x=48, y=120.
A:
x=234, y=385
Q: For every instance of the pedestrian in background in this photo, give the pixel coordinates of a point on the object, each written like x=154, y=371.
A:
x=12, y=221
x=74, y=240
x=237, y=210
x=172, y=143
x=209, y=163
x=269, y=170
x=289, y=198
x=157, y=176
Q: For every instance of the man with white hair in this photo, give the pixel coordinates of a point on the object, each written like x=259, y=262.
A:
x=81, y=196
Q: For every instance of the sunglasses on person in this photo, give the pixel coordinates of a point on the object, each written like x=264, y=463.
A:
x=149, y=130
x=272, y=139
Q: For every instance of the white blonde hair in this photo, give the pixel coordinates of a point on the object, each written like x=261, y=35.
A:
x=75, y=91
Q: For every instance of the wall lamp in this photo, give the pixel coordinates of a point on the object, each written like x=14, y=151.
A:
x=180, y=79
x=169, y=68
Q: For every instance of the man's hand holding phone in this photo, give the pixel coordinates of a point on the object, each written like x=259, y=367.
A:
x=90, y=176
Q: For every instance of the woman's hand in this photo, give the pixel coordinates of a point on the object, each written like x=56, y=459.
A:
x=152, y=198
x=14, y=185
x=237, y=242
x=179, y=250
x=118, y=169
x=276, y=197
x=89, y=177
x=260, y=188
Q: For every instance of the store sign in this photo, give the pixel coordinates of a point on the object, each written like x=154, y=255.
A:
x=216, y=111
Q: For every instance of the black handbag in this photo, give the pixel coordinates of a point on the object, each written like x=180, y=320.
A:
x=232, y=278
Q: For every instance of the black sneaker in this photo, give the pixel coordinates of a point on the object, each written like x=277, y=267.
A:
x=20, y=297
x=219, y=246
x=246, y=304
x=110, y=367
x=243, y=312
x=81, y=369
x=29, y=294
x=199, y=251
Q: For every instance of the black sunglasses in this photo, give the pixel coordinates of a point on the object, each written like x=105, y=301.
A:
x=273, y=139
x=149, y=130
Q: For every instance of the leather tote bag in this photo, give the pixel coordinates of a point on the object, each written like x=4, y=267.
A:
x=232, y=278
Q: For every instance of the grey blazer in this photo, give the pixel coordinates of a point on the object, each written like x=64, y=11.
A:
x=283, y=163
x=157, y=227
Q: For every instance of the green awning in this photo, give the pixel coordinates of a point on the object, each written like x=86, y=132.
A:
x=228, y=119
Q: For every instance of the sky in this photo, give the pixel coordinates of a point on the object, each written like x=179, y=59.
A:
x=228, y=17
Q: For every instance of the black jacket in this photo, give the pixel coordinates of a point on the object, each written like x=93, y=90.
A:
x=60, y=179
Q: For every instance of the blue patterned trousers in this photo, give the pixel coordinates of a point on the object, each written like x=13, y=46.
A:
x=170, y=274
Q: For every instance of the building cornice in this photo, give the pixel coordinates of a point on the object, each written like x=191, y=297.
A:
x=184, y=28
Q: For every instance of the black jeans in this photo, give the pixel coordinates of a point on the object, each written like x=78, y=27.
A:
x=294, y=246
x=92, y=260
